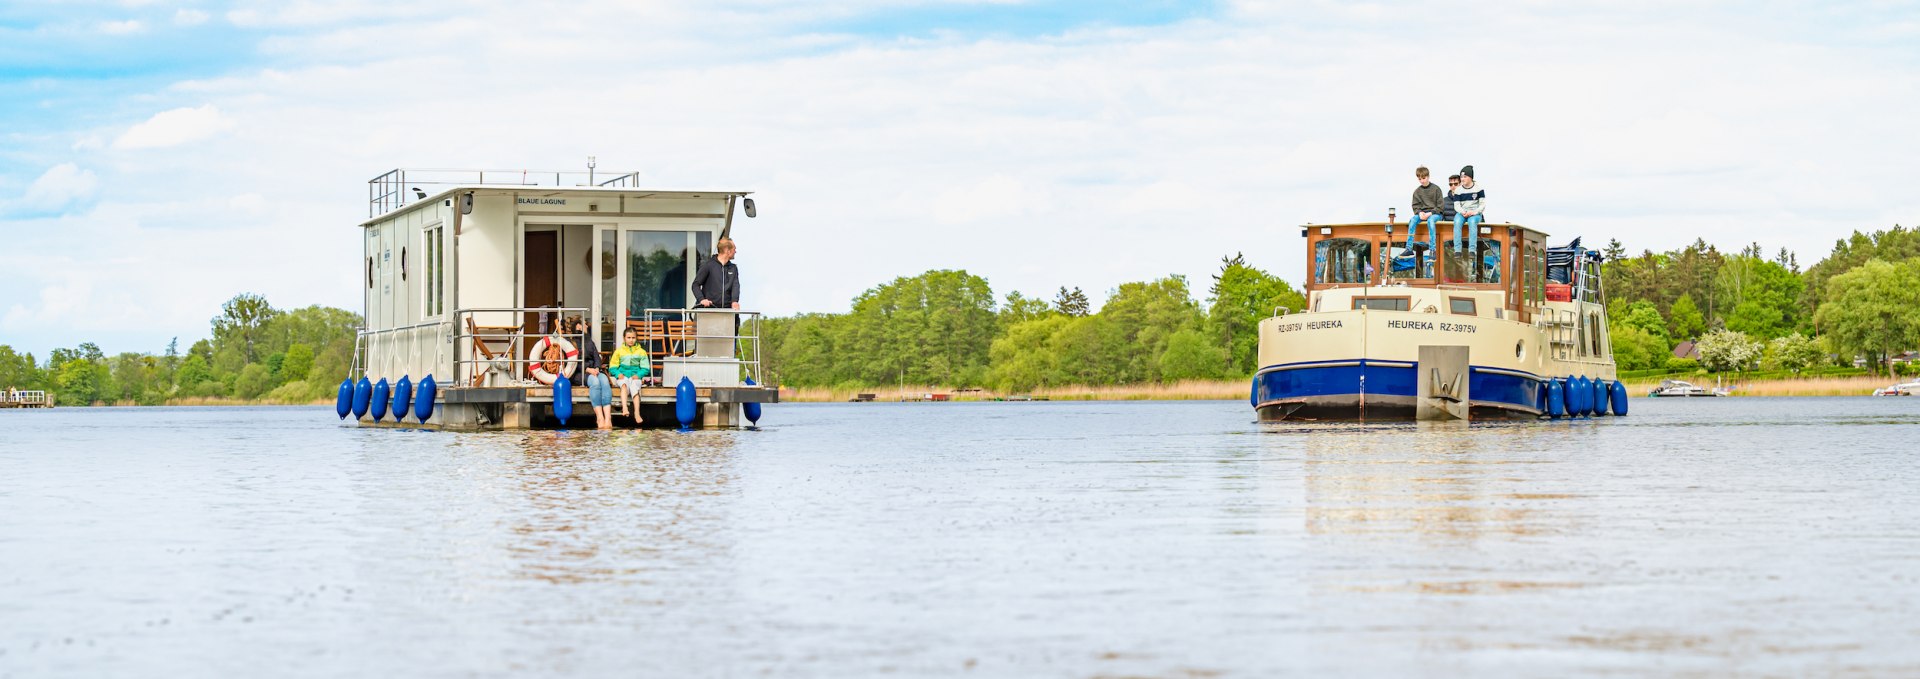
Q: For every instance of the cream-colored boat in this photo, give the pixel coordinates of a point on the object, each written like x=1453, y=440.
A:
x=1393, y=332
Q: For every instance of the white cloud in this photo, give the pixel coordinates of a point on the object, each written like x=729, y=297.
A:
x=175, y=127
x=1086, y=159
x=127, y=27
x=189, y=17
x=60, y=186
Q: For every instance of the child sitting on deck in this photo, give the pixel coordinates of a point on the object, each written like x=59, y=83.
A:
x=630, y=364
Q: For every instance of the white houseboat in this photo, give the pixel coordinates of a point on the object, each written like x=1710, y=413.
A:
x=463, y=268
x=1516, y=329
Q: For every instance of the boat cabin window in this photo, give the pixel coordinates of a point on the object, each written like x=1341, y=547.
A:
x=1343, y=260
x=660, y=268
x=1483, y=267
x=1462, y=305
x=1382, y=303
x=1407, y=263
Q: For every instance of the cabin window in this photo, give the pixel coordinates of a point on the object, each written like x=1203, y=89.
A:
x=1406, y=263
x=1593, y=321
x=659, y=270
x=1343, y=260
x=1382, y=303
x=609, y=289
x=434, y=252
x=1462, y=305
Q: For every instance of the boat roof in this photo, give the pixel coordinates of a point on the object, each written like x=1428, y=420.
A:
x=539, y=191
x=1382, y=225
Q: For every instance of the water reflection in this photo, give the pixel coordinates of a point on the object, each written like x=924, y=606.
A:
x=612, y=506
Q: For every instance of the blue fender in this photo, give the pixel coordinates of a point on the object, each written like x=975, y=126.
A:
x=423, y=398
x=562, y=399
x=685, y=406
x=344, y=404
x=402, y=398
x=1619, y=399
x=751, y=410
x=382, y=397
x=362, y=397
x=1600, y=393
x=1579, y=392
x=1556, y=399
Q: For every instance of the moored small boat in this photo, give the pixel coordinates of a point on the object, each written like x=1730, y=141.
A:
x=1684, y=389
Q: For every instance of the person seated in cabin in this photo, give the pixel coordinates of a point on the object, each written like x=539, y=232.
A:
x=599, y=384
x=1469, y=202
x=630, y=365
x=1427, y=202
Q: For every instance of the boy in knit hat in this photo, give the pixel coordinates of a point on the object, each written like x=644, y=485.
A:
x=1426, y=207
x=1469, y=201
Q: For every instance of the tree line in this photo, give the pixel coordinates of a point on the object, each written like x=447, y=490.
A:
x=255, y=352
x=1743, y=310
x=1747, y=310
x=947, y=327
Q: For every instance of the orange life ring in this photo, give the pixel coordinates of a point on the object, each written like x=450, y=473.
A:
x=552, y=356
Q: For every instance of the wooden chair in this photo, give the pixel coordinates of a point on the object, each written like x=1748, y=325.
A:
x=490, y=342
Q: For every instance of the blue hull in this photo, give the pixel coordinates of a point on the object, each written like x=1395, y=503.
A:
x=1381, y=390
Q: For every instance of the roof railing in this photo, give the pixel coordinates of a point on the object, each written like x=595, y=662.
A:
x=397, y=188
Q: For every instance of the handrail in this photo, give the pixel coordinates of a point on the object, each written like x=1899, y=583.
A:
x=388, y=191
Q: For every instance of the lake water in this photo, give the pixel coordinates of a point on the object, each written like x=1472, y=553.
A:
x=1717, y=536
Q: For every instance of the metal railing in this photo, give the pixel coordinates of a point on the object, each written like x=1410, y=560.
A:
x=744, y=341
x=515, y=364
x=680, y=347
x=394, y=189
x=25, y=398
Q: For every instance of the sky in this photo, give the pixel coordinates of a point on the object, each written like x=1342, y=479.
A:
x=158, y=158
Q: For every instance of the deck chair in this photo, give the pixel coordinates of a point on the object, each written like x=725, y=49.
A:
x=492, y=344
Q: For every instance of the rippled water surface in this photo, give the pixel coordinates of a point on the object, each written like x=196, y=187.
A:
x=1715, y=536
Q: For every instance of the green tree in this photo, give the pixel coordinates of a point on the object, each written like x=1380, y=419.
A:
x=1870, y=309
x=1795, y=352
x=925, y=329
x=1640, y=315
x=18, y=371
x=82, y=382
x=1191, y=355
x=1759, y=297
x=255, y=380
x=1723, y=350
x=1020, y=309
x=1637, y=349
x=1072, y=303
x=1144, y=316
x=1685, y=320
x=1024, y=357
x=1240, y=298
x=297, y=362
x=241, y=321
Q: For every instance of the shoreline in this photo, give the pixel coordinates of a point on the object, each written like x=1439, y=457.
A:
x=1190, y=390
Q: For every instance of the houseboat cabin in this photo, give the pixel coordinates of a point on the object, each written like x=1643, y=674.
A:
x=464, y=270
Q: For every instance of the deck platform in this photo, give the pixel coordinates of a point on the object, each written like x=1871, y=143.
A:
x=526, y=407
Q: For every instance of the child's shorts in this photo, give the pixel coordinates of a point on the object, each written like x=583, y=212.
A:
x=630, y=384
x=599, y=390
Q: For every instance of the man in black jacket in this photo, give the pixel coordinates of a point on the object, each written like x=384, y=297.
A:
x=717, y=283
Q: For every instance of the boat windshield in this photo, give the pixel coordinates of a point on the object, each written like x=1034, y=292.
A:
x=1343, y=260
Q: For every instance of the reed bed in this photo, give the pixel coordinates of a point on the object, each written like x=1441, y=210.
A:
x=1189, y=390
x=1856, y=385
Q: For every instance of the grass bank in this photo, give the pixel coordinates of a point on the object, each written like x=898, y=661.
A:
x=1189, y=390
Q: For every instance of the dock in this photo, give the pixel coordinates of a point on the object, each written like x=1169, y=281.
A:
x=26, y=399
